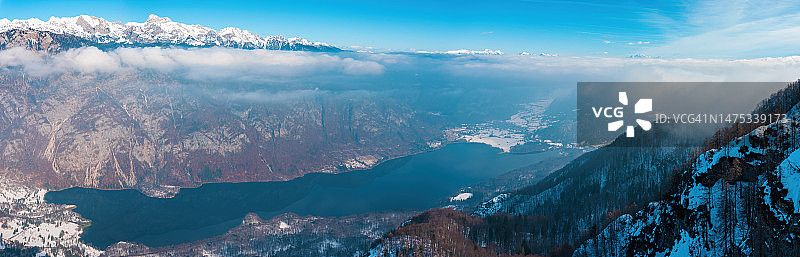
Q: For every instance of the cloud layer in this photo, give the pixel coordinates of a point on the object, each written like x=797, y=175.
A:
x=575, y=69
x=199, y=64
x=366, y=70
x=463, y=88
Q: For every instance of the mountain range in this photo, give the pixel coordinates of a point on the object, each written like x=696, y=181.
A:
x=58, y=34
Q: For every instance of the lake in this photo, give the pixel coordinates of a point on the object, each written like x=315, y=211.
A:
x=415, y=182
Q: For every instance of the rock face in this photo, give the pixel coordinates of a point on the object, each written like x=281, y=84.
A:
x=150, y=132
x=58, y=34
x=40, y=40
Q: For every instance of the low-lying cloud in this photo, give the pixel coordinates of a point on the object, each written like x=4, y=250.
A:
x=463, y=88
x=198, y=64
x=574, y=69
x=262, y=96
x=361, y=70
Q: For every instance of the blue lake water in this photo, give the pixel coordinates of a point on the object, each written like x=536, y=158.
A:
x=416, y=182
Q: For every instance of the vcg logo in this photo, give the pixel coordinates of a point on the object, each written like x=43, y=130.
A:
x=642, y=106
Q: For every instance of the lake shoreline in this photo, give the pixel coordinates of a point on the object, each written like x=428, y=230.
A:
x=415, y=182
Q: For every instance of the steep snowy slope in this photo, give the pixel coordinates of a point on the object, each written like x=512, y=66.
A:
x=588, y=192
x=739, y=199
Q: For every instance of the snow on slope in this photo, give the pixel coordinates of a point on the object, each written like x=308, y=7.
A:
x=734, y=200
x=790, y=178
x=31, y=221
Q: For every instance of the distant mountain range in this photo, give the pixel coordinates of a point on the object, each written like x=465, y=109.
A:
x=58, y=34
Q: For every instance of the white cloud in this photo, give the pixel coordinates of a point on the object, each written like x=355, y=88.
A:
x=88, y=60
x=356, y=67
x=309, y=70
x=573, y=69
x=729, y=29
x=261, y=96
x=201, y=63
x=19, y=57
x=775, y=36
x=638, y=43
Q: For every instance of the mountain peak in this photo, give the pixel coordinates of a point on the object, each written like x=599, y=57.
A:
x=155, y=19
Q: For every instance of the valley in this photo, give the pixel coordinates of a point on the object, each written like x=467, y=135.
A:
x=414, y=129
x=413, y=183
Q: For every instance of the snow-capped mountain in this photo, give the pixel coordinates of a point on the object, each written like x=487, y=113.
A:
x=464, y=52
x=156, y=31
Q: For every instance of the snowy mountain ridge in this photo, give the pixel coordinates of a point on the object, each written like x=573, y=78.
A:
x=159, y=31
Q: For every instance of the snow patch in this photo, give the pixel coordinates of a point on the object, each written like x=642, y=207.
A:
x=492, y=206
x=461, y=197
x=790, y=178
x=496, y=138
x=518, y=129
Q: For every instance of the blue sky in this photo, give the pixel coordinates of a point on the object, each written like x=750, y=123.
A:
x=734, y=29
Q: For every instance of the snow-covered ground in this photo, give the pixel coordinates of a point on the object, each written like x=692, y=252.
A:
x=532, y=116
x=721, y=212
x=361, y=162
x=461, y=197
x=790, y=178
x=495, y=137
x=518, y=129
x=29, y=220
